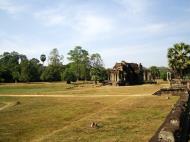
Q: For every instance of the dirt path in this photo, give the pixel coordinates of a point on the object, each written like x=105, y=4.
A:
x=7, y=104
x=45, y=137
x=132, y=95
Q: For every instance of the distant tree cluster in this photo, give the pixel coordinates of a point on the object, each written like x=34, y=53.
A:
x=178, y=61
x=159, y=72
x=15, y=67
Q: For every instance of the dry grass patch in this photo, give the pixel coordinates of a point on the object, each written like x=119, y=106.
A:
x=124, y=119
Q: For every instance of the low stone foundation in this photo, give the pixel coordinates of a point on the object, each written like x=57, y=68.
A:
x=171, y=91
x=175, y=128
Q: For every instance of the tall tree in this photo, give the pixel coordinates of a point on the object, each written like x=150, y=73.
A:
x=85, y=63
x=179, y=58
x=30, y=70
x=80, y=59
x=35, y=69
x=96, y=67
x=25, y=75
x=54, y=58
x=43, y=58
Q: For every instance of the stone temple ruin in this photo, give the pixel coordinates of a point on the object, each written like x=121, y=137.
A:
x=128, y=74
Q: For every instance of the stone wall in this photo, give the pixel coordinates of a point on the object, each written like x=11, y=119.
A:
x=175, y=128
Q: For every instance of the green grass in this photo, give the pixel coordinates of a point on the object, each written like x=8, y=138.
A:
x=74, y=89
x=34, y=88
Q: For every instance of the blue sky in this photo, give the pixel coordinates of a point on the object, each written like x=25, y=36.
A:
x=133, y=30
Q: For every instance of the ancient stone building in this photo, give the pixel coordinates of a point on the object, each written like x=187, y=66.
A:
x=128, y=74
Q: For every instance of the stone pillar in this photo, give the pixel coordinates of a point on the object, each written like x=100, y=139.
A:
x=111, y=77
x=145, y=78
x=149, y=77
x=117, y=77
x=188, y=85
x=169, y=77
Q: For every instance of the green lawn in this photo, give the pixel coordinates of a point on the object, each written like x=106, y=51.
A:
x=74, y=89
x=34, y=88
x=120, y=118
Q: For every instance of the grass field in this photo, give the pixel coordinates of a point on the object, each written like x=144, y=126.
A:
x=74, y=89
x=122, y=113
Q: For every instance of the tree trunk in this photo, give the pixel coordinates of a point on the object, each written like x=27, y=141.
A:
x=181, y=74
x=77, y=72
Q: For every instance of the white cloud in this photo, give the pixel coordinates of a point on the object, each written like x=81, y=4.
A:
x=154, y=28
x=10, y=7
x=134, y=6
x=51, y=17
x=20, y=44
x=125, y=30
x=135, y=53
x=85, y=25
x=86, y=22
x=93, y=24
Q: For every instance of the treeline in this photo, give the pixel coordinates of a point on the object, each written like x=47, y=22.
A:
x=15, y=67
x=179, y=62
x=159, y=72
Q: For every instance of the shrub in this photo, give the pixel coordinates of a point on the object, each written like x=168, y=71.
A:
x=68, y=76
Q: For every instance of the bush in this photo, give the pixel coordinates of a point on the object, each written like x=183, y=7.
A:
x=51, y=73
x=68, y=76
x=163, y=75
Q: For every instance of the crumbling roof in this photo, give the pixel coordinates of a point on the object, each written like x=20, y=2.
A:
x=122, y=64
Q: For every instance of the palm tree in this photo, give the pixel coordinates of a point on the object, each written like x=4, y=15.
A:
x=43, y=58
x=179, y=58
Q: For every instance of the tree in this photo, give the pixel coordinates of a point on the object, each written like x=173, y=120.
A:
x=96, y=67
x=25, y=75
x=54, y=58
x=85, y=63
x=69, y=76
x=163, y=75
x=163, y=72
x=5, y=75
x=35, y=69
x=80, y=59
x=16, y=73
x=30, y=70
x=155, y=72
x=43, y=58
x=51, y=73
x=179, y=58
x=9, y=63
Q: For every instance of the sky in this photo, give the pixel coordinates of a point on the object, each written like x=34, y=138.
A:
x=138, y=31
